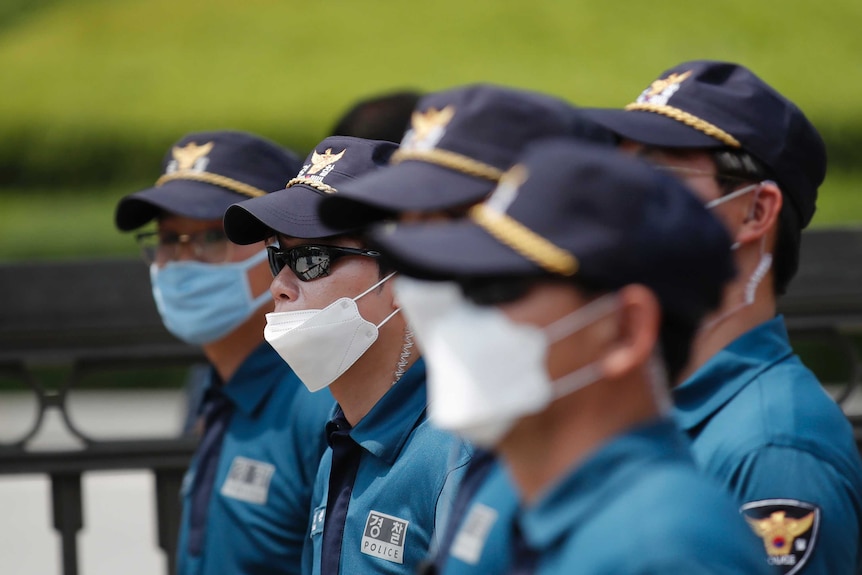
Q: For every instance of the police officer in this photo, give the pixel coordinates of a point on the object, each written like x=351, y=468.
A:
x=543, y=345
x=247, y=493
x=459, y=143
x=387, y=474
x=759, y=420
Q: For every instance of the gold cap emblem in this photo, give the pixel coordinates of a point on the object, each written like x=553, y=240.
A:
x=320, y=161
x=779, y=531
x=187, y=156
x=663, y=84
x=426, y=128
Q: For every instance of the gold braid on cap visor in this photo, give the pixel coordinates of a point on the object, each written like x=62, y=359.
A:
x=215, y=179
x=689, y=120
x=525, y=241
x=327, y=189
x=451, y=160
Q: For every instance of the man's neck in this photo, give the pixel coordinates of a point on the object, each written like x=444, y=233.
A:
x=359, y=389
x=732, y=320
x=571, y=429
x=228, y=353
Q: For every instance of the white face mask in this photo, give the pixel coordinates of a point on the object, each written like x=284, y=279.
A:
x=484, y=370
x=764, y=263
x=321, y=344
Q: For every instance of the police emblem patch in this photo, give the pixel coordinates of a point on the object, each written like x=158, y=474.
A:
x=660, y=91
x=471, y=538
x=384, y=537
x=788, y=529
x=426, y=128
x=190, y=157
x=321, y=165
x=248, y=480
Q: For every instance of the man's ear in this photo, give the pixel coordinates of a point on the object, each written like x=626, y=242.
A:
x=638, y=321
x=763, y=213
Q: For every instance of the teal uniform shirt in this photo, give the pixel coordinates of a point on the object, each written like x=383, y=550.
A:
x=481, y=541
x=257, y=516
x=403, y=482
x=762, y=425
x=639, y=506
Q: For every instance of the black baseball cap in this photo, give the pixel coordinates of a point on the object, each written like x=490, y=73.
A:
x=568, y=209
x=293, y=211
x=708, y=104
x=459, y=143
x=205, y=172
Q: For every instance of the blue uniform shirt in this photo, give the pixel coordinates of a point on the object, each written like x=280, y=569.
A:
x=638, y=506
x=258, y=512
x=761, y=424
x=478, y=538
x=404, y=480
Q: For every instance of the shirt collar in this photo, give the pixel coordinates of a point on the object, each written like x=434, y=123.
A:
x=729, y=371
x=385, y=429
x=256, y=377
x=597, y=480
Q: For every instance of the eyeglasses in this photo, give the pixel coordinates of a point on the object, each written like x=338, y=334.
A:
x=495, y=291
x=208, y=246
x=310, y=262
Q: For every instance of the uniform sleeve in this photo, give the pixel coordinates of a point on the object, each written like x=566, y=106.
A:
x=801, y=506
x=458, y=460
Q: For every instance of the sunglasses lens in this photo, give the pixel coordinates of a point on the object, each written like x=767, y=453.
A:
x=309, y=262
x=276, y=260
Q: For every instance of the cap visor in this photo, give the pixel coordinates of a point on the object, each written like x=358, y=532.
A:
x=188, y=198
x=651, y=128
x=443, y=250
x=291, y=212
x=409, y=186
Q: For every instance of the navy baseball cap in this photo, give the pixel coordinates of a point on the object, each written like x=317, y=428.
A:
x=292, y=211
x=574, y=210
x=206, y=172
x=459, y=144
x=707, y=104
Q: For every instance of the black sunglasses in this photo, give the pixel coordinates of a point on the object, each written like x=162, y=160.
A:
x=310, y=262
x=495, y=291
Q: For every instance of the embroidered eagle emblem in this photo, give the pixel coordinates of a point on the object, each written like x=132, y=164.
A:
x=663, y=84
x=187, y=156
x=320, y=161
x=424, y=123
x=779, y=531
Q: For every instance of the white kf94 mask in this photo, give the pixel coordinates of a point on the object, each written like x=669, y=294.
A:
x=321, y=344
x=486, y=371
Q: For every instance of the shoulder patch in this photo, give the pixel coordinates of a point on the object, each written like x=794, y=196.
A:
x=788, y=529
x=384, y=537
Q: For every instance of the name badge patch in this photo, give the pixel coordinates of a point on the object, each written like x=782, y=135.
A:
x=788, y=529
x=384, y=537
x=317, y=520
x=471, y=538
x=248, y=480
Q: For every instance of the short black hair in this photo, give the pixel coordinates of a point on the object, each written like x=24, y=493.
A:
x=733, y=167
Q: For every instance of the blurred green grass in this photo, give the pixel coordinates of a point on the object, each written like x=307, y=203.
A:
x=95, y=80
x=96, y=90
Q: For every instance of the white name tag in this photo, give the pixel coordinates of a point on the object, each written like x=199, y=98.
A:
x=384, y=537
x=471, y=538
x=248, y=480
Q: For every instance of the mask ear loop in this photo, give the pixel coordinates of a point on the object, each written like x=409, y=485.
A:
x=584, y=316
x=757, y=276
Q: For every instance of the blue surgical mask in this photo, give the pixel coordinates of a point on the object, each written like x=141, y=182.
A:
x=201, y=303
